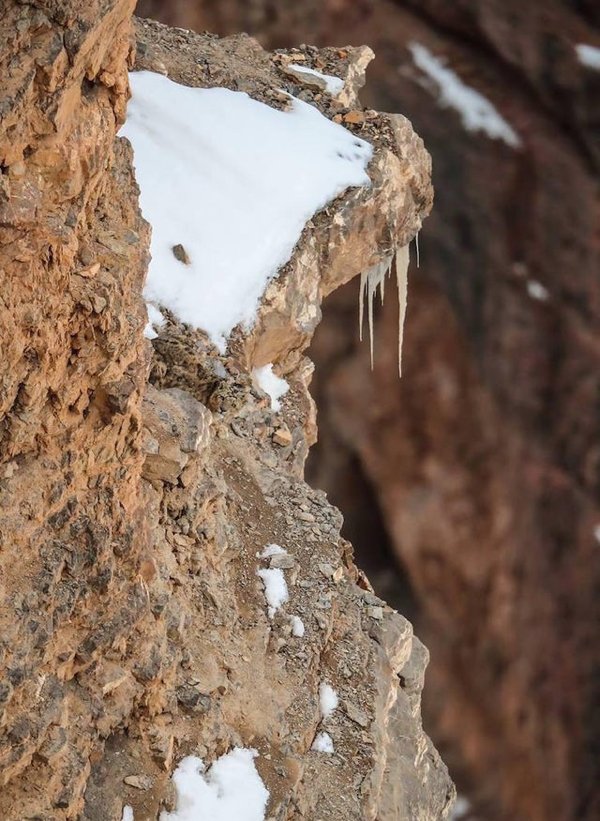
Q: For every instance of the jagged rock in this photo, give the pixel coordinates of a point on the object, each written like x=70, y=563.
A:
x=176, y=426
x=134, y=626
x=484, y=460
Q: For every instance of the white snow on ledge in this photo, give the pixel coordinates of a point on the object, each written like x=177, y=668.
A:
x=333, y=85
x=476, y=112
x=588, y=56
x=233, y=182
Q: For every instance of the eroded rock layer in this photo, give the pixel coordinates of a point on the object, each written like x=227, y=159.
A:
x=140, y=483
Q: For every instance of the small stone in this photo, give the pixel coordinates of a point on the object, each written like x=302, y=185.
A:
x=306, y=517
x=375, y=612
x=326, y=569
x=371, y=598
x=90, y=271
x=355, y=117
x=98, y=303
x=322, y=621
x=338, y=575
x=283, y=561
x=356, y=715
x=181, y=254
x=192, y=699
x=140, y=782
x=282, y=436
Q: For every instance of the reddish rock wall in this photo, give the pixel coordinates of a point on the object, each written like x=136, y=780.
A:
x=133, y=622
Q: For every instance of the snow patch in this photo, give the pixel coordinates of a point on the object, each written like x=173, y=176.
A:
x=155, y=320
x=274, y=386
x=231, y=790
x=127, y=813
x=297, y=626
x=323, y=743
x=476, y=111
x=537, y=291
x=273, y=550
x=228, y=184
x=588, y=56
x=333, y=85
x=328, y=700
x=276, y=589
x=460, y=809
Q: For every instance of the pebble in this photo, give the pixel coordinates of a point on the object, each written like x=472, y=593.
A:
x=306, y=517
x=140, y=782
x=375, y=612
x=282, y=436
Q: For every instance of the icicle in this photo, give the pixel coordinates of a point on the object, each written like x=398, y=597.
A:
x=372, y=285
x=402, y=259
x=361, y=302
x=370, y=280
x=417, y=248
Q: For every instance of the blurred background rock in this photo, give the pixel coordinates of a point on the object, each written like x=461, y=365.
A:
x=470, y=489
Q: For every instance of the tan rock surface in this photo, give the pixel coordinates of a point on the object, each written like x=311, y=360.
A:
x=481, y=467
x=133, y=622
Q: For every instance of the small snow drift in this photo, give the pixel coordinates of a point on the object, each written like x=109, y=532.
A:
x=328, y=700
x=298, y=628
x=476, y=112
x=155, y=319
x=276, y=590
x=323, y=743
x=588, y=56
x=274, y=386
x=273, y=550
x=231, y=790
x=227, y=184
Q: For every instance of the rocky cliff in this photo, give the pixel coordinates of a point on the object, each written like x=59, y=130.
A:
x=481, y=466
x=141, y=481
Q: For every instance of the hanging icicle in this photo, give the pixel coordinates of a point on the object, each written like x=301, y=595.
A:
x=374, y=278
x=402, y=260
x=369, y=282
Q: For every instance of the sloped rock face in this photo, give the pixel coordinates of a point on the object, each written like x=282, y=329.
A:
x=139, y=484
x=484, y=461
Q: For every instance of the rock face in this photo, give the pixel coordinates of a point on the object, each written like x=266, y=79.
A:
x=484, y=461
x=140, y=483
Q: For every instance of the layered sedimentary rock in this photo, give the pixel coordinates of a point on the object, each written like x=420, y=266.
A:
x=484, y=461
x=140, y=482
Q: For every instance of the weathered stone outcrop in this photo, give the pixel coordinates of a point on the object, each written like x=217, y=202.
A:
x=484, y=460
x=139, y=483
